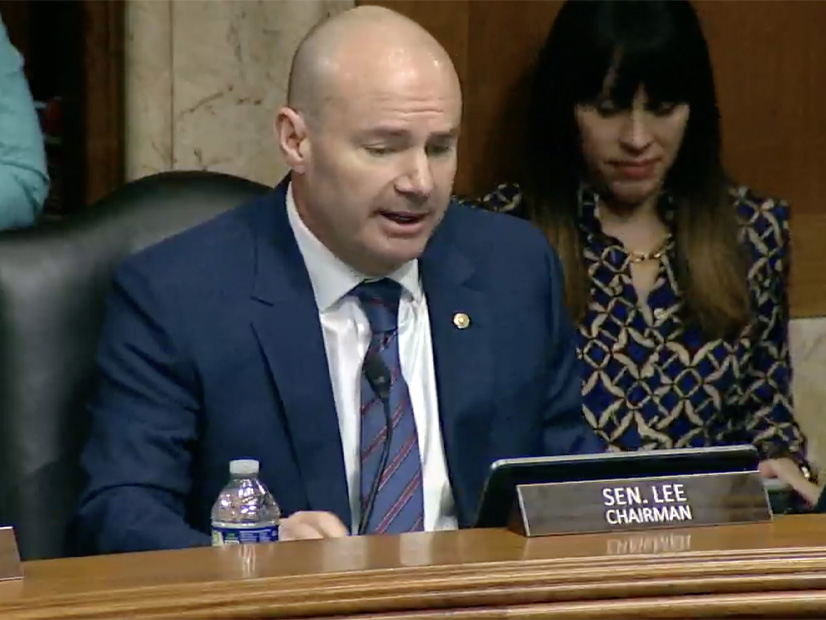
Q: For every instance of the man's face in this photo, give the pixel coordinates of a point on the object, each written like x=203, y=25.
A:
x=380, y=162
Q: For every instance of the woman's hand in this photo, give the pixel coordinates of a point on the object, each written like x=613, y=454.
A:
x=787, y=470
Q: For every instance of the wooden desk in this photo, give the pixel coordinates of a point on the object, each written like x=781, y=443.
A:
x=772, y=570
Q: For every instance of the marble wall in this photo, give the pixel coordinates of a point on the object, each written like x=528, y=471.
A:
x=204, y=79
x=808, y=349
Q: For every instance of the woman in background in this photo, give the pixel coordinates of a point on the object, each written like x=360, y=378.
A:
x=676, y=276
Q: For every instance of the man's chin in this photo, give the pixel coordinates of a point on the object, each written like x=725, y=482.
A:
x=384, y=253
x=402, y=256
x=397, y=256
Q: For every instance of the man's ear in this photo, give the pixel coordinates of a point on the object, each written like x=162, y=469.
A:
x=292, y=135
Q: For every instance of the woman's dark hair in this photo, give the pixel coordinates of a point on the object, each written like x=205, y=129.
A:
x=658, y=45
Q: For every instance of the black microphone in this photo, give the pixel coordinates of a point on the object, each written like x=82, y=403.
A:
x=378, y=376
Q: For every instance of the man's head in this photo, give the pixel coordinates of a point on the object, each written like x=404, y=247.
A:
x=370, y=132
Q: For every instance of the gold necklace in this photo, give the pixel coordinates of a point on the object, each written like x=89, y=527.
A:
x=636, y=257
x=641, y=257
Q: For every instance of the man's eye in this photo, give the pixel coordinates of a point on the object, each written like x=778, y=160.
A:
x=378, y=151
x=439, y=149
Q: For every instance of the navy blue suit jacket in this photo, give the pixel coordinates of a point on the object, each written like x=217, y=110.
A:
x=212, y=350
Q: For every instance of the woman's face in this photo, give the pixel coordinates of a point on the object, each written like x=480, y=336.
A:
x=628, y=152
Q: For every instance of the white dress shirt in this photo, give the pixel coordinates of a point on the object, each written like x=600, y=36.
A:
x=346, y=333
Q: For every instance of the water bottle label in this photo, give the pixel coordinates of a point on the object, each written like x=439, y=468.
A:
x=222, y=536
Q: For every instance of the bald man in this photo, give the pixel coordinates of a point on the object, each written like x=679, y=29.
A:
x=373, y=345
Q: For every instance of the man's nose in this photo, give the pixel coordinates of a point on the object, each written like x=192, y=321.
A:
x=417, y=179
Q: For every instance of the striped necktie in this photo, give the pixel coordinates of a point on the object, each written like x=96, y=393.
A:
x=399, y=503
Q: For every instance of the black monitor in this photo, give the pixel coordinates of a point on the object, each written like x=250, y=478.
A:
x=499, y=493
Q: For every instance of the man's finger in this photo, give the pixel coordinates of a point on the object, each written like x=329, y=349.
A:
x=307, y=525
x=329, y=525
x=297, y=530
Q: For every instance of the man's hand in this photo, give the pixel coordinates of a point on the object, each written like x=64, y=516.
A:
x=787, y=470
x=310, y=524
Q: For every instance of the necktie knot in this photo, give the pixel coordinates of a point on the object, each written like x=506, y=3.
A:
x=379, y=300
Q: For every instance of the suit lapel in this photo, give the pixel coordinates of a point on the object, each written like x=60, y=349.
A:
x=285, y=320
x=463, y=359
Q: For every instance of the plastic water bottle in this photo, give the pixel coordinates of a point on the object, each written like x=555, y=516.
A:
x=245, y=511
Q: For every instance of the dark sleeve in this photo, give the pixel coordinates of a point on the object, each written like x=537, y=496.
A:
x=144, y=427
x=566, y=429
x=767, y=375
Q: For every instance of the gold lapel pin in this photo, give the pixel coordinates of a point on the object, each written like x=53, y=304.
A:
x=461, y=320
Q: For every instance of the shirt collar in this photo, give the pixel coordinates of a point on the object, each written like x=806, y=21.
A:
x=332, y=278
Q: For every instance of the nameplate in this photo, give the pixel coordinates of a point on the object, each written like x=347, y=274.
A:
x=10, y=566
x=628, y=504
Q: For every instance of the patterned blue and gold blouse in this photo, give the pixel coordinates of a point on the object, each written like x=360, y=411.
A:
x=650, y=380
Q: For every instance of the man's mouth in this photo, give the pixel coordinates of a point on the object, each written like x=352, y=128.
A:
x=404, y=224
x=403, y=218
